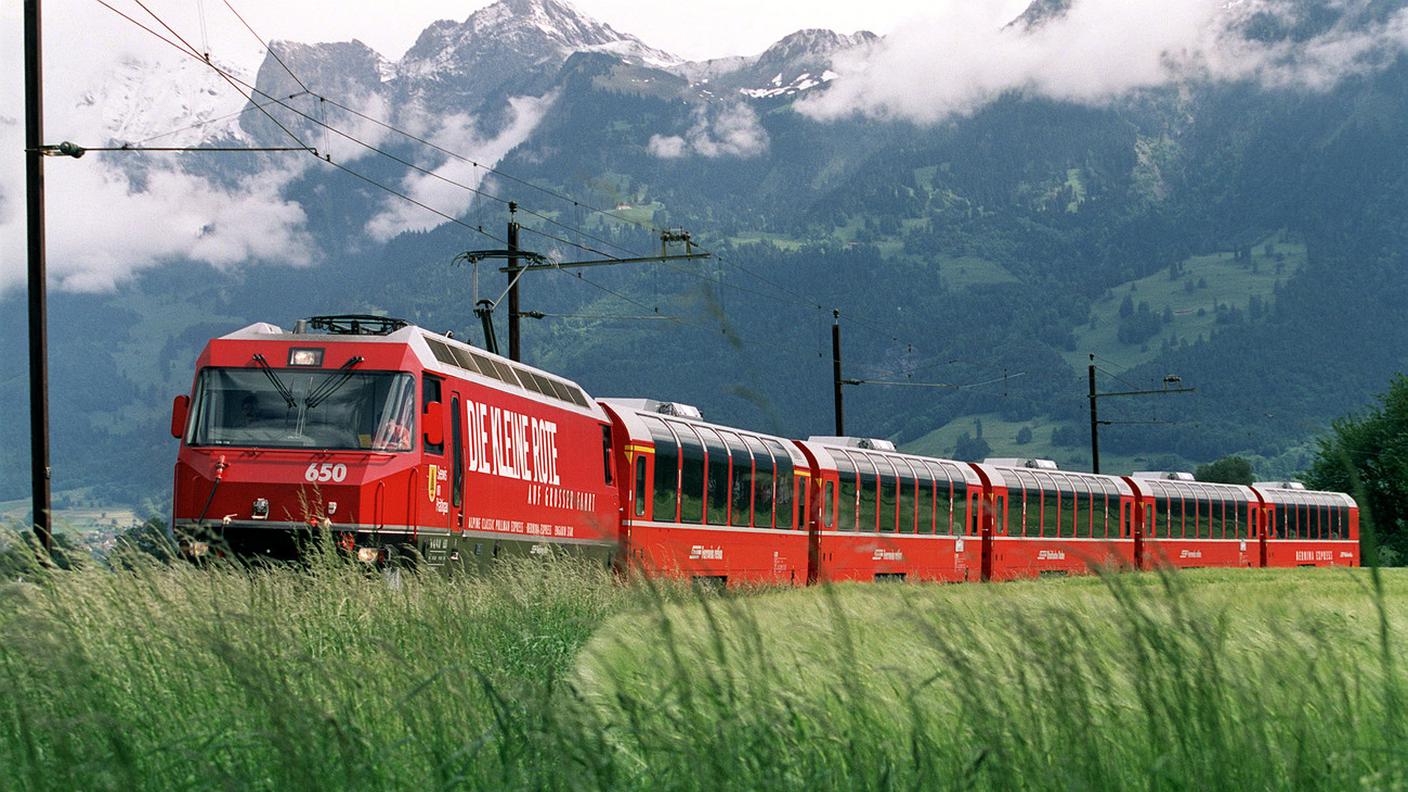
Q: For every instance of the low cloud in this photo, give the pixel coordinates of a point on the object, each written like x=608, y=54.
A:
x=111, y=216
x=103, y=227
x=733, y=131
x=442, y=190
x=965, y=54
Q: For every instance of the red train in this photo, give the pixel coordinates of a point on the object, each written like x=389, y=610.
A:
x=390, y=438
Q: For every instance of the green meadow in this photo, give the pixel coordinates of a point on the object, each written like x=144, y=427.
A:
x=553, y=675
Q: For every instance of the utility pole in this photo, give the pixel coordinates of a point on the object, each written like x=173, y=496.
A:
x=38, y=309
x=536, y=261
x=514, y=352
x=1096, y=423
x=836, y=371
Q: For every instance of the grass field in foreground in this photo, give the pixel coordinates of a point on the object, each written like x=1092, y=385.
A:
x=553, y=676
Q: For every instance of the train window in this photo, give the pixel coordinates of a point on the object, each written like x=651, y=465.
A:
x=846, y=492
x=1031, y=511
x=741, y=484
x=828, y=509
x=716, y=485
x=764, y=481
x=909, y=495
x=606, y=453
x=1080, y=508
x=430, y=392
x=889, y=491
x=927, y=504
x=785, y=483
x=456, y=454
x=867, y=509
x=640, y=485
x=943, y=502
x=958, y=523
x=667, y=470
x=1050, y=508
x=691, y=473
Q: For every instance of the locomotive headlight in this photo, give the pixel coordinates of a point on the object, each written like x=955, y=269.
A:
x=305, y=357
x=368, y=555
x=260, y=510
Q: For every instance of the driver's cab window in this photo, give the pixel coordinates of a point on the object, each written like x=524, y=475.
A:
x=430, y=393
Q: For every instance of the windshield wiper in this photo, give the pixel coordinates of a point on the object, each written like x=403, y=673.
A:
x=331, y=384
x=275, y=381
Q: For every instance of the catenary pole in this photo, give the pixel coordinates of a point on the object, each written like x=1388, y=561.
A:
x=836, y=371
x=514, y=352
x=1094, y=423
x=38, y=312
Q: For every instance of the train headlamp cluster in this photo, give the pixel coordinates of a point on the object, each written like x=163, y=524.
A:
x=305, y=357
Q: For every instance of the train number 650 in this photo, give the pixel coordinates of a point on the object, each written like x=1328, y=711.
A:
x=327, y=471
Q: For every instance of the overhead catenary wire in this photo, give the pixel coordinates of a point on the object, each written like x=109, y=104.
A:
x=235, y=83
x=323, y=100
x=248, y=107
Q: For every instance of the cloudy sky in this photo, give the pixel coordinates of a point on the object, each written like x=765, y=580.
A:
x=940, y=59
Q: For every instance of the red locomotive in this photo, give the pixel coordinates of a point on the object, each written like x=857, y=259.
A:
x=392, y=439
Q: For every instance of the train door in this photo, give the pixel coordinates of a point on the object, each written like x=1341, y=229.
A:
x=635, y=506
x=1265, y=519
x=457, y=482
x=821, y=515
x=1129, y=529
x=992, y=518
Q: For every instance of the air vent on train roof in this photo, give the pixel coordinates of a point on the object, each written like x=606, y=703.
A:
x=869, y=443
x=1166, y=475
x=1022, y=462
x=664, y=408
x=1284, y=485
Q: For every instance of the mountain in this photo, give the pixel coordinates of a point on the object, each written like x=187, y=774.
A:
x=796, y=63
x=1246, y=237
x=179, y=102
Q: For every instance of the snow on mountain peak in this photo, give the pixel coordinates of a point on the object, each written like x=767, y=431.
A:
x=177, y=102
x=546, y=30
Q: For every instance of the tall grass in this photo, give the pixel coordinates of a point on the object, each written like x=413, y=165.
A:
x=553, y=675
x=321, y=677
x=1202, y=680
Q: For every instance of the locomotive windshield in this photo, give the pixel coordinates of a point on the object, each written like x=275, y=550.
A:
x=296, y=408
